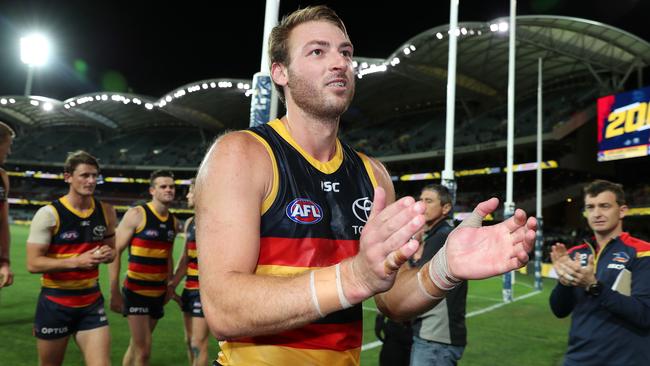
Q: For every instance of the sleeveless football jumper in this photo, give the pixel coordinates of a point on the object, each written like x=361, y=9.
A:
x=149, y=251
x=312, y=219
x=75, y=233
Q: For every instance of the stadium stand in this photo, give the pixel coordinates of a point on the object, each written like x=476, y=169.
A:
x=397, y=115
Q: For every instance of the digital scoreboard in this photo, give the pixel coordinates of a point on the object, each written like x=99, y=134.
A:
x=624, y=125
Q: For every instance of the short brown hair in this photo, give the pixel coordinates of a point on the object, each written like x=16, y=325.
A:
x=600, y=185
x=78, y=157
x=6, y=131
x=159, y=173
x=279, y=37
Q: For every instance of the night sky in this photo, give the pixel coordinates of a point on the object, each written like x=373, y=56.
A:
x=153, y=47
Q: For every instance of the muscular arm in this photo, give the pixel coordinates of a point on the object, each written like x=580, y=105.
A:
x=181, y=266
x=123, y=235
x=470, y=252
x=230, y=187
x=38, y=242
x=404, y=300
x=232, y=183
x=109, y=237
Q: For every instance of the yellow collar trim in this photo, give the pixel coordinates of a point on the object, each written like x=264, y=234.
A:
x=328, y=167
x=82, y=214
x=159, y=216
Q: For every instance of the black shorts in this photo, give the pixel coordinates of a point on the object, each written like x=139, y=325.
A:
x=53, y=321
x=136, y=304
x=191, y=303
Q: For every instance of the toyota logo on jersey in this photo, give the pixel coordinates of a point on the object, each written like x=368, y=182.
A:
x=361, y=208
x=304, y=211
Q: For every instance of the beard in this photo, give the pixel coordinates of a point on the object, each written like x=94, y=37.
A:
x=315, y=101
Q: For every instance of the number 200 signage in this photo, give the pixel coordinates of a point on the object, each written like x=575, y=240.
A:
x=624, y=125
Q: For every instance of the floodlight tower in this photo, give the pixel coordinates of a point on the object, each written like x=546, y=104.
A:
x=34, y=50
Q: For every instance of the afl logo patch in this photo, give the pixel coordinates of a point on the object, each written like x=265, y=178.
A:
x=152, y=233
x=304, y=211
x=70, y=235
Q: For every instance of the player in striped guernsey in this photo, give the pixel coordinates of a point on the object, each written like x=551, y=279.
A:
x=196, y=328
x=6, y=139
x=148, y=231
x=67, y=240
x=295, y=229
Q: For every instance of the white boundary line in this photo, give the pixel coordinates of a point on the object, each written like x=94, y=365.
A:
x=375, y=344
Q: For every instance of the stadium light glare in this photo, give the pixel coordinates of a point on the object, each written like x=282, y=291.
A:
x=412, y=47
x=463, y=31
x=12, y=100
x=149, y=106
x=3, y=101
x=407, y=51
x=439, y=35
x=35, y=103
x=47, y=107
x=494, y=27
x=503, y=27
x=34, y=49
x=204, y=85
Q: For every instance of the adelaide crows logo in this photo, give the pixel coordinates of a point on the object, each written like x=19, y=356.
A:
x=304, y=211
x=621, y=257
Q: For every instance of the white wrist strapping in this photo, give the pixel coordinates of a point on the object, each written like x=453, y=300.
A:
x=314, y=298
x=339, y=288
x=424, y=290
x=439, y=271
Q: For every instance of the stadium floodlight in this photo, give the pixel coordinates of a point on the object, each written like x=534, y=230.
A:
x=34, y=50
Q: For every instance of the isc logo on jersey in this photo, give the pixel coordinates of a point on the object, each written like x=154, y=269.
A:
x=304, y=211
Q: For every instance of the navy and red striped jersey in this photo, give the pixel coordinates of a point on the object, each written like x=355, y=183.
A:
x=312, y=219
x=76, y=232
x=149, y=252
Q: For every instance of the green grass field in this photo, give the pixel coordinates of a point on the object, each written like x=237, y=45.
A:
x=520, y=333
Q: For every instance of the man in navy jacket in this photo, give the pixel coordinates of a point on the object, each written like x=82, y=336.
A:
x=607, y=326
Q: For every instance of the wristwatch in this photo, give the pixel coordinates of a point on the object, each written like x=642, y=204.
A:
x=595, y=289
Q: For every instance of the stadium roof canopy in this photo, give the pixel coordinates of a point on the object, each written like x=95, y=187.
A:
x=576, y=52
x=212, y=104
